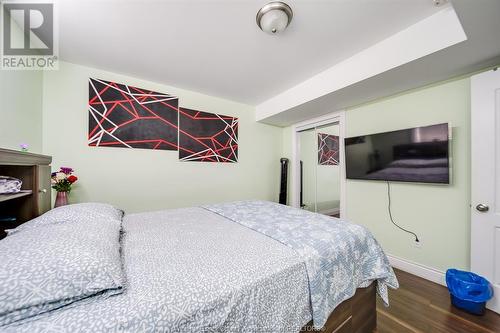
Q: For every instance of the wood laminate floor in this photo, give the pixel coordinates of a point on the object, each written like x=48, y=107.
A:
x=421, y=306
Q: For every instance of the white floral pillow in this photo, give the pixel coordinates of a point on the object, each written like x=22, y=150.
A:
x=53, y=265
x=73, y=213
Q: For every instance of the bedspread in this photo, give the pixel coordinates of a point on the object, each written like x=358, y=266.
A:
x=339, y=256
x=189, y=270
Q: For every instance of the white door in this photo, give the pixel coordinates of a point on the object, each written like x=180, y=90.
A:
x=485, y=177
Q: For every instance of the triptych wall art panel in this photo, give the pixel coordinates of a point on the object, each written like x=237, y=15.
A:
x=328, y=149
x=129, y=117
x=207, y=137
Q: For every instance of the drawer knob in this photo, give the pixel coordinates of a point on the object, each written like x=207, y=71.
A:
x=43, y=190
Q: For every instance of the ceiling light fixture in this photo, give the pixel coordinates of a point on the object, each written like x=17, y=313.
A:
x=274, y=17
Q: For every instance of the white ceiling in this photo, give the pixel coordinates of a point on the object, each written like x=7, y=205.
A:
x=215, y=47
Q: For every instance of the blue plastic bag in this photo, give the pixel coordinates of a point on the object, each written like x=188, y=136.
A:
x=468, y=291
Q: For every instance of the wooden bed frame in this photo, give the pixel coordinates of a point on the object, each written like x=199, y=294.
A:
x=355, y=315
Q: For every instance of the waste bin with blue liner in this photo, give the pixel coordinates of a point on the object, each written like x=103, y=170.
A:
x=468, y=291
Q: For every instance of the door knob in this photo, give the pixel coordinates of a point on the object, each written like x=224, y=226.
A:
x=482, y=208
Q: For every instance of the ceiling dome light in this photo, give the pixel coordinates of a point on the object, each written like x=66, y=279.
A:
x=274, y=17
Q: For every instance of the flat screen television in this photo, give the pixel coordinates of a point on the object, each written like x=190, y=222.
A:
x=419, y=154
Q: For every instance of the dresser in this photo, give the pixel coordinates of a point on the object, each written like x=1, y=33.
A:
x=35, y=196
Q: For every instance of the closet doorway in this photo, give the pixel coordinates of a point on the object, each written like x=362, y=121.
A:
x=318, y=171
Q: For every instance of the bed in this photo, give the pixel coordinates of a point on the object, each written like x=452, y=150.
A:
x=434, y=170
x=250, y=266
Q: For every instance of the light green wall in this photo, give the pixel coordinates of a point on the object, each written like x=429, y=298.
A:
x=141, y=180
x=21, y=108
x=439, y=214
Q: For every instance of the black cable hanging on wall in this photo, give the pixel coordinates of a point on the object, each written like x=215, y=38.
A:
x=390, y=214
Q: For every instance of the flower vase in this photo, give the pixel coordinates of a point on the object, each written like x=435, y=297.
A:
x=61, y=199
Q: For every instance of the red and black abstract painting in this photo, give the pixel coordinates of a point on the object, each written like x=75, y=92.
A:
x=328, y=149
x=207, y=137
x=129, y=117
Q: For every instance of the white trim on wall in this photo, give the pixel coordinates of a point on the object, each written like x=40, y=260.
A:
x=419, y=270
x=334, y=117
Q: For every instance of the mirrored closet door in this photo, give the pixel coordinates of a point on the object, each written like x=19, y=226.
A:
x=319, y=155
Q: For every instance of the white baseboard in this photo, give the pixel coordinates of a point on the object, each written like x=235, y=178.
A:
x=419, y=270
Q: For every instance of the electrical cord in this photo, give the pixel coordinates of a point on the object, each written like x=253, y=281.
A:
x=390, y=214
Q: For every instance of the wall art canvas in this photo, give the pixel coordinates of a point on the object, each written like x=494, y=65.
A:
x=130, y=117
x=207, y=137
x=328, y=149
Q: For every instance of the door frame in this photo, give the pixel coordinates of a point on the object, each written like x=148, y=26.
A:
x=334, y=117
x=484, y=160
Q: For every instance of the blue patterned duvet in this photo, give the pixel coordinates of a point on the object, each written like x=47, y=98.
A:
x=339, y=256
